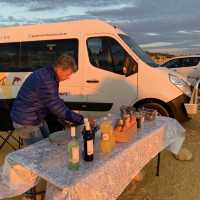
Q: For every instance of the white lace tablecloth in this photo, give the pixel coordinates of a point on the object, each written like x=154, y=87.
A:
x=103, y=179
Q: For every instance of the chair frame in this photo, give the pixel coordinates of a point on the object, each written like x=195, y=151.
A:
x=6, y=141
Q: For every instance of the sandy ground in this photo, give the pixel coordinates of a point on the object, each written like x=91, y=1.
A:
x=178, y=180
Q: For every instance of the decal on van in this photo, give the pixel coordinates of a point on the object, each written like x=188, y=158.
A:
x=3, y=79
x=5, y=85
x=16, y=80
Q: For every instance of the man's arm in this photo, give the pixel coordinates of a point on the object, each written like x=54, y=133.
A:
x=49, y=96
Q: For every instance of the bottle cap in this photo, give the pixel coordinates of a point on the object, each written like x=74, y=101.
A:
x=109, y=114
x=85, y=119
x=73, y=131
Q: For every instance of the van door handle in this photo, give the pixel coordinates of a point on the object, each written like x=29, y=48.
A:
x=92, y=81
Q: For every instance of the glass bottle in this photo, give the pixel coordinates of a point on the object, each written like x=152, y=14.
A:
x=88, y=142
x=73, y=151
x=106, y=144
x=110, y=119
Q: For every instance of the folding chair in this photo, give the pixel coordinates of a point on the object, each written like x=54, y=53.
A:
x=6, y=126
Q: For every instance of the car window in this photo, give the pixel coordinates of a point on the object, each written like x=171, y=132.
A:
x=187, y=62
x=139, y=51
x=172, y=63
x=195, y=61
x=182, y=62
x=106, y=53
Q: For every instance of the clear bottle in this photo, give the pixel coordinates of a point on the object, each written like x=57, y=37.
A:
x=88, y=142
x=73, y=151
x=106, y=144
x=110, y=119
x=127, y=122
x=120, y=125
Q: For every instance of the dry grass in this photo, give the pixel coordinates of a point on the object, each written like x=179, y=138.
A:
x=178, y=180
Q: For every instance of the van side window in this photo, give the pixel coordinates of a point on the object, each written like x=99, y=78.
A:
x=38, y=54
x=9, y=56
x=29, y=56
x=106, y=53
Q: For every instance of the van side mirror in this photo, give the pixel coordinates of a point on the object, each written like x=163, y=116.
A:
x=130, y=66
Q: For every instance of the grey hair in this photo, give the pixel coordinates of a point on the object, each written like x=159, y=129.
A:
x=66, y=61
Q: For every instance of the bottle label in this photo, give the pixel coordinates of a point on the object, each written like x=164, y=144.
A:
x=105, y=136
x=90, y=147
x=75, y=154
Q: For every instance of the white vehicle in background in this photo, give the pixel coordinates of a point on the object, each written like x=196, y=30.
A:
x=112, y=69
x=188, y=66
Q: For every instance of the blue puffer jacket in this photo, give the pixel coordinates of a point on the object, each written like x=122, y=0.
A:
x=37, y=97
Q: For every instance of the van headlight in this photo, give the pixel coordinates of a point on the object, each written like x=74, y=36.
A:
x=180, y=84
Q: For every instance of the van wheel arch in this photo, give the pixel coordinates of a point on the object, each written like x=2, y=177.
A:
x=157, y=104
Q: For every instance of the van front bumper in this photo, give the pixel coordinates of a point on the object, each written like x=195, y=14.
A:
x=178, y=109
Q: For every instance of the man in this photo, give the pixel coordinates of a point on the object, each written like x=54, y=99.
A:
x=39, y=96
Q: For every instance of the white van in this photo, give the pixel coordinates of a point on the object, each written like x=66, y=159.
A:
x=112, y=69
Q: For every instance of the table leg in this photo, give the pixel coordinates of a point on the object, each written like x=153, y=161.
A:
x=20, y=142
x=158, y=165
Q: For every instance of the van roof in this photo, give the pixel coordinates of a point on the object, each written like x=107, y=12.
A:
x=57, y=30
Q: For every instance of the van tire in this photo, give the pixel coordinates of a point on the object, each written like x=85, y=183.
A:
x=162, y=111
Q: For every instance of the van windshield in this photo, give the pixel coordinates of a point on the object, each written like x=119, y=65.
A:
x=143, y=55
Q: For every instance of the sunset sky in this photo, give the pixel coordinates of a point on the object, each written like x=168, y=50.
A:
x=171, y=26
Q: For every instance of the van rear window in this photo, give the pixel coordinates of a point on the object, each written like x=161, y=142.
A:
x=9, y=56
x=29, y=56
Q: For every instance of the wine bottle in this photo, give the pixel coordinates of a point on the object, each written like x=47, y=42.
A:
x=73, y=151
x=88, y=141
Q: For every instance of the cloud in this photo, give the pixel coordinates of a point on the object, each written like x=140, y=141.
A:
x=147, y=21
x=156, y=44
x=170, y=50
x=41, y=8
x=11, y=18
x=184, y=32
x=196, y=31
x=196, y=45
x=151, y=34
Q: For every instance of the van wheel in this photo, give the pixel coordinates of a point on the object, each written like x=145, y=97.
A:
x=162, y=111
